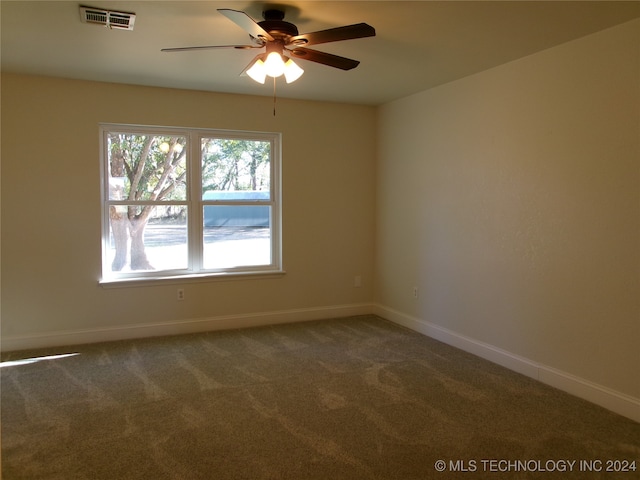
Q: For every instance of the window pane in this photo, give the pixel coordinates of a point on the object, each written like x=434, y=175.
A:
x=150, y=229
x=232, y=165
x=236, y=236
x=147, y=238
x=146, y=167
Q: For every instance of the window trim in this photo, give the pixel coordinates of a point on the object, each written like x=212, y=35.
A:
x=195, y=203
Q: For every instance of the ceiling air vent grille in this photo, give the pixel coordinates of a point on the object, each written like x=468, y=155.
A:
x=107, y=18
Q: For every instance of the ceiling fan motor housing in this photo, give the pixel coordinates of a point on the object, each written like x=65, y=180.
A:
x=274, y=24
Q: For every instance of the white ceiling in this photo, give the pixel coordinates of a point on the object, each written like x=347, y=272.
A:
x=418, y=44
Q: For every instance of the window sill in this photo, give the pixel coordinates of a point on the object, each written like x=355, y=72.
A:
x=204, y=277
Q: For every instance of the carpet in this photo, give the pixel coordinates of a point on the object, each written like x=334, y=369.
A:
x=350, y=398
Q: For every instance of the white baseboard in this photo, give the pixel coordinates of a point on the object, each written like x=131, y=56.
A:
x=610, y=399
x=126, y=332
x=617, y=402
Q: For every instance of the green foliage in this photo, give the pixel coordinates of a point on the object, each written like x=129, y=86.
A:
x=154, y=167
x=232, y=164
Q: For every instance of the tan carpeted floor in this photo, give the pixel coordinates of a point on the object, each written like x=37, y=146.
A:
x=352, y=398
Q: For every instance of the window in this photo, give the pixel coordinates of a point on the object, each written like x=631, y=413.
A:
x=189, y=202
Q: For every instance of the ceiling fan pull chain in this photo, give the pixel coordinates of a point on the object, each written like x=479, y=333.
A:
x=274, y=96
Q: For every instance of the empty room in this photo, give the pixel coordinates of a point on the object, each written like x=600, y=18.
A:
x=320, y=239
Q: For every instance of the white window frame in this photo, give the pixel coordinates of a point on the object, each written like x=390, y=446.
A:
x=195, y=204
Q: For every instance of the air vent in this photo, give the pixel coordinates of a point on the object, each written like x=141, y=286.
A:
x=107, y=18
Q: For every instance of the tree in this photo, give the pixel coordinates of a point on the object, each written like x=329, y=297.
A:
x=142, y=168
x=232, y=164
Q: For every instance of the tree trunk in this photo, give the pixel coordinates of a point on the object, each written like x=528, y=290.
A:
x=139, y=260
x=119, y=221
x=119, y=224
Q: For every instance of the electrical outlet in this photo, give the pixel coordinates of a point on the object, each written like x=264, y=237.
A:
x=181, y=294
x=415, y=292
x=357, y=281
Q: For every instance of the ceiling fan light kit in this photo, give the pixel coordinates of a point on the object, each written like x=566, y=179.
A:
x=278, y=36
x=292, y=71
x=258, y=71
x=273, y=64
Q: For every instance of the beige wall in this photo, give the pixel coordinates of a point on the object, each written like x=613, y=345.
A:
x=51, y=206
x=511, y=198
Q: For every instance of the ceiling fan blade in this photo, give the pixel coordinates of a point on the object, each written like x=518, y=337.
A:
x=209, y=47
x=247, y=23
x=324, y=58
x=348, y=32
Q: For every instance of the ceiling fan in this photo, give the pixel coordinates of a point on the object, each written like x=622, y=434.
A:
x=282, y=41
